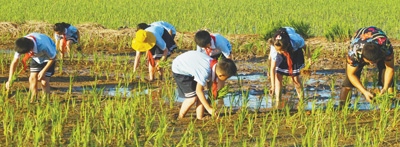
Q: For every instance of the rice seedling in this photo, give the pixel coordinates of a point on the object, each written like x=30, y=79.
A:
x=338, y=33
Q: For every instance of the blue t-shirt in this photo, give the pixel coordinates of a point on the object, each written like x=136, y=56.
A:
x=44, y=48
x=166, y=26
x=219, y=45
x=158, y=32
x=70, y=32
x=195, y=64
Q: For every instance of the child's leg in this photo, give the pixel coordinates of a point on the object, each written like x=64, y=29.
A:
x=298, y=86
x=344, y=94
x=199, y=109
x=68, y=47
x=60, y=48
x=33, y=85
x=151, y=72
x=186, y=104
x=278, y=87
x=158, y=69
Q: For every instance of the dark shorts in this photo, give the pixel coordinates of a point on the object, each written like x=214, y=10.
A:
x=157, y=52
x=36, y=67
x=169, y=41
x=298, y=63
x=381, y=75
x=186, y=85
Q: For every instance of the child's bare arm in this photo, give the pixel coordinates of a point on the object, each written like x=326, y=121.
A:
x=389, y=72
x=165, y=53
x=272, y=76
x=351, y=74
x=137, y=59
x=202, y=98
x=13, y=65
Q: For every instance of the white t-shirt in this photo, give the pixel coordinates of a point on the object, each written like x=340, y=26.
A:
x=193, y=63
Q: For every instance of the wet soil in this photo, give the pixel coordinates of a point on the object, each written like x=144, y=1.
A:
x=329, y=66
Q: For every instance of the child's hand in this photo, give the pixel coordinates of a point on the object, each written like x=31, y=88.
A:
x=8, y=85
x=382, y=91
x=213, y=112
x=41, y=75
x=368, y=95
x=271, y=91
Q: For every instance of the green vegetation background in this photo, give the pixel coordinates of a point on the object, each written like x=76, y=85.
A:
x=223, y=16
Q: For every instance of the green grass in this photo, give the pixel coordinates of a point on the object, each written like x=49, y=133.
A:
x=224, y=16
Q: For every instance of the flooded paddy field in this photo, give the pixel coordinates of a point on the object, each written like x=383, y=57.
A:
x=97, y=100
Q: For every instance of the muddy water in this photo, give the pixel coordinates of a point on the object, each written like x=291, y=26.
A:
x=316, y=96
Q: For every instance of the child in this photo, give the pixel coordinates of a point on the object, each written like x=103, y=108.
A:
x=65, y=34
x=43, y=52
x=167, y=26
x=191, y=71
x=213, y=44
x=149, y=39
x=369, y=45
x=287, y=58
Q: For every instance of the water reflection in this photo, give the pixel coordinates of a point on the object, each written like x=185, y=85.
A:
x=317, y=97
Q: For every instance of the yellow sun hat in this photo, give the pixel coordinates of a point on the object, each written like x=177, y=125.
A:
x=143, y=41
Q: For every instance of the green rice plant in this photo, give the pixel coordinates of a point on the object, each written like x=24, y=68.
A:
x=244, y=143
x=271, y=31
x=250, y=125
x=8, y=124
x=242, y=116
x=221, y=131
x=149, y=120
x=228, y=141
x=202, y=138
x=275, y=134
x=161, y=132
x=302, y=28
x=27, y=128
x=187, y=137
x=396, y=116
x=236, y=128
x=337, y=33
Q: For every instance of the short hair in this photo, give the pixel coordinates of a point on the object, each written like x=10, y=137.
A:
x=142, y=26
x=60, y=27
x=23, y=45
x=372, y=52
x=281, y=38
x=227, y=67
x=202, y=38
